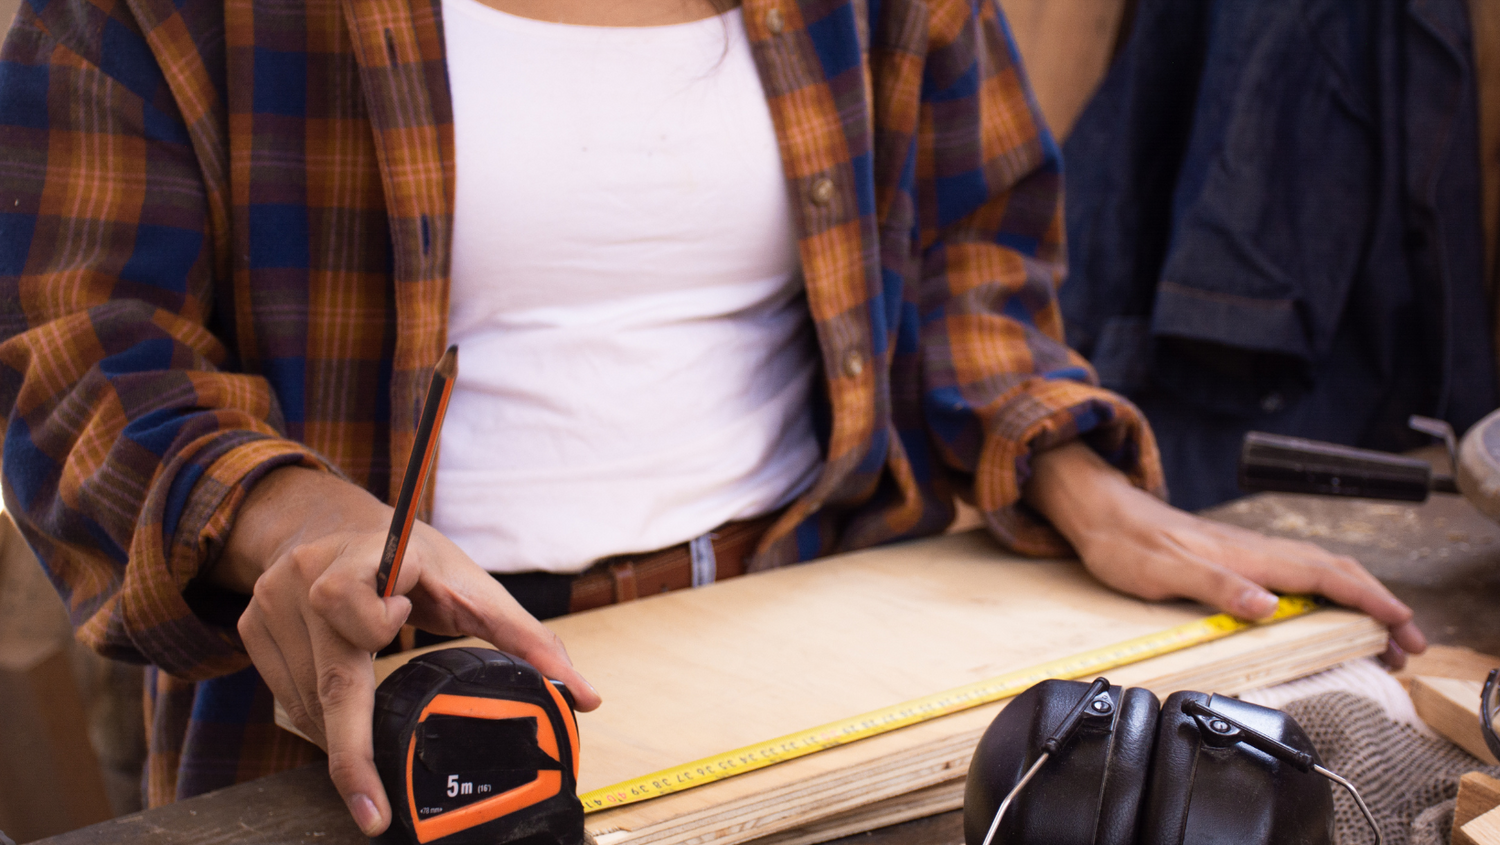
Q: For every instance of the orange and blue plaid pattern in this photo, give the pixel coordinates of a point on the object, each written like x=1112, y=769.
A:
x=224, y=241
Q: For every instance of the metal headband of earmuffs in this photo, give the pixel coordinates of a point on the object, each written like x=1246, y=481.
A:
x=1216, y=730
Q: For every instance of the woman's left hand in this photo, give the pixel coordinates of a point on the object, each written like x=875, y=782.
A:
x=1138, y=544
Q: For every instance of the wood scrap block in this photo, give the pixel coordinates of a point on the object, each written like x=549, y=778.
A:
x=1478, y=793
x=49, y=777
x=50, y=780
x=1451, y=707
x=1485, y=829
x=1447, y=661
x=690, y=674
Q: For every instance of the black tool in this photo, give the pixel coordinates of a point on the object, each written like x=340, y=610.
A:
x=475, y=747
x=1282, y=464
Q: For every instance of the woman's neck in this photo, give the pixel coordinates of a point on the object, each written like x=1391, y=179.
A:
x=614, y=12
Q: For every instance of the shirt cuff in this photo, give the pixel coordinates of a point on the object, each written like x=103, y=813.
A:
x=1045, y=415
x=199, y=493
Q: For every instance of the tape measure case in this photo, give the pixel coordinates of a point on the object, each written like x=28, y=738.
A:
x=475, y=746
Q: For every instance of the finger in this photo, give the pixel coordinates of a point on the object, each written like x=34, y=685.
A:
x=344, y=597
x=1203, y=580
x=1409, y=638
x=1393, y=656
x=277, y=667
x=271, y=665
x=1296, y=566
x=486, y=610
x=1341, y=579
x=346, y=688
x=550, y=657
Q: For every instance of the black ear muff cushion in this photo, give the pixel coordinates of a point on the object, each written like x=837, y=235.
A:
x=1171, y=780
x=1199, y=793
x=1105, y=763
x=1124, y=791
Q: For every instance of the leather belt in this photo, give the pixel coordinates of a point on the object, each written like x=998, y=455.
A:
x=715, y=556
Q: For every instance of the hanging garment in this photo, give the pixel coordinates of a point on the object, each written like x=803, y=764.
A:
x=1274, y=224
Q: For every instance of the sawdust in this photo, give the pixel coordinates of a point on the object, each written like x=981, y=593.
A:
x=1370, y=524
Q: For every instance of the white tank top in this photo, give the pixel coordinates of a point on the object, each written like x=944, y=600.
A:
x=636, y=353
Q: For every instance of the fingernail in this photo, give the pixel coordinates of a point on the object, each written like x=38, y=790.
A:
x=1257, y=603
x=365, y=814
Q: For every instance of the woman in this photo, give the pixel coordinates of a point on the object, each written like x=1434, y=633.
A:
x=237, y=241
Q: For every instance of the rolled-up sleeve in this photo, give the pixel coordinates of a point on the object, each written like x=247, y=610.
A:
x=128, y=446
x=999, y=382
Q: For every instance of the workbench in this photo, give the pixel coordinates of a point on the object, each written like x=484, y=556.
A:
x=1442, y=558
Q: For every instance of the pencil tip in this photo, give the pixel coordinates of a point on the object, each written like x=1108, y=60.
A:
x=447, y=366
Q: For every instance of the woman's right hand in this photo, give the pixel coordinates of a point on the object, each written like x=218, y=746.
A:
x=306, y=546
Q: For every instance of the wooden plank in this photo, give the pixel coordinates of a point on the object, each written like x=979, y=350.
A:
x=690, y=674
x=1451, y=707
x=1478, y=793
x=299, y=806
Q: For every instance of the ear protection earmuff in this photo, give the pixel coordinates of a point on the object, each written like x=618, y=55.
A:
x=1068, y=763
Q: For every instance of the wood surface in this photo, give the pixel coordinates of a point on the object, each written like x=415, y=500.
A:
x=1478, y=793
x=690, y=674
x=1448, y=661
x=922, y=803
x=1451, y=707
x=1484, y=829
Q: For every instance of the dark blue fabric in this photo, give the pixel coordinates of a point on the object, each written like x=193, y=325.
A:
x=1274, y=224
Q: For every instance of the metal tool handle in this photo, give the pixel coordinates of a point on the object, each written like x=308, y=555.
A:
x=1273, y=462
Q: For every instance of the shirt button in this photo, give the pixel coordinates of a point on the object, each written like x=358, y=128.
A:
x=822, y=191
x=1272, y=402
x=854, y=364
x=775, y=23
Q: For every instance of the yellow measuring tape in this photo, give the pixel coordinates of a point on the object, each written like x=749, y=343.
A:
x=884, y=720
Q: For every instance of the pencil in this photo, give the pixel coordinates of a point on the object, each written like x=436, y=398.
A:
x=417, y=468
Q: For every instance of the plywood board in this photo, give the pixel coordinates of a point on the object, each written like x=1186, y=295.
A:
x=690, y=674
x=903, y=808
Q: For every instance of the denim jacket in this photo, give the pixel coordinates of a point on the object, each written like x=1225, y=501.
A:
x=1274, y=224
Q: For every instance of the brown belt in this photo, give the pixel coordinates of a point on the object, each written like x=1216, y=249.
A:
x=624, y=578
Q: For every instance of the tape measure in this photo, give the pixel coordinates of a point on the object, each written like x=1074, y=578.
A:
x=887, y=719
x=475, y=747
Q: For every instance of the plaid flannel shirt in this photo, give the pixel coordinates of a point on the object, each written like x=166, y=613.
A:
x=224, y=248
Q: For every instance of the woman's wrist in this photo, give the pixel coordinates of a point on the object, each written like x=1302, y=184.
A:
x=1076, y=490
x=289, y=504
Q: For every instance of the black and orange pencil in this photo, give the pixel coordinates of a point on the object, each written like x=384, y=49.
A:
x=418, y=466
